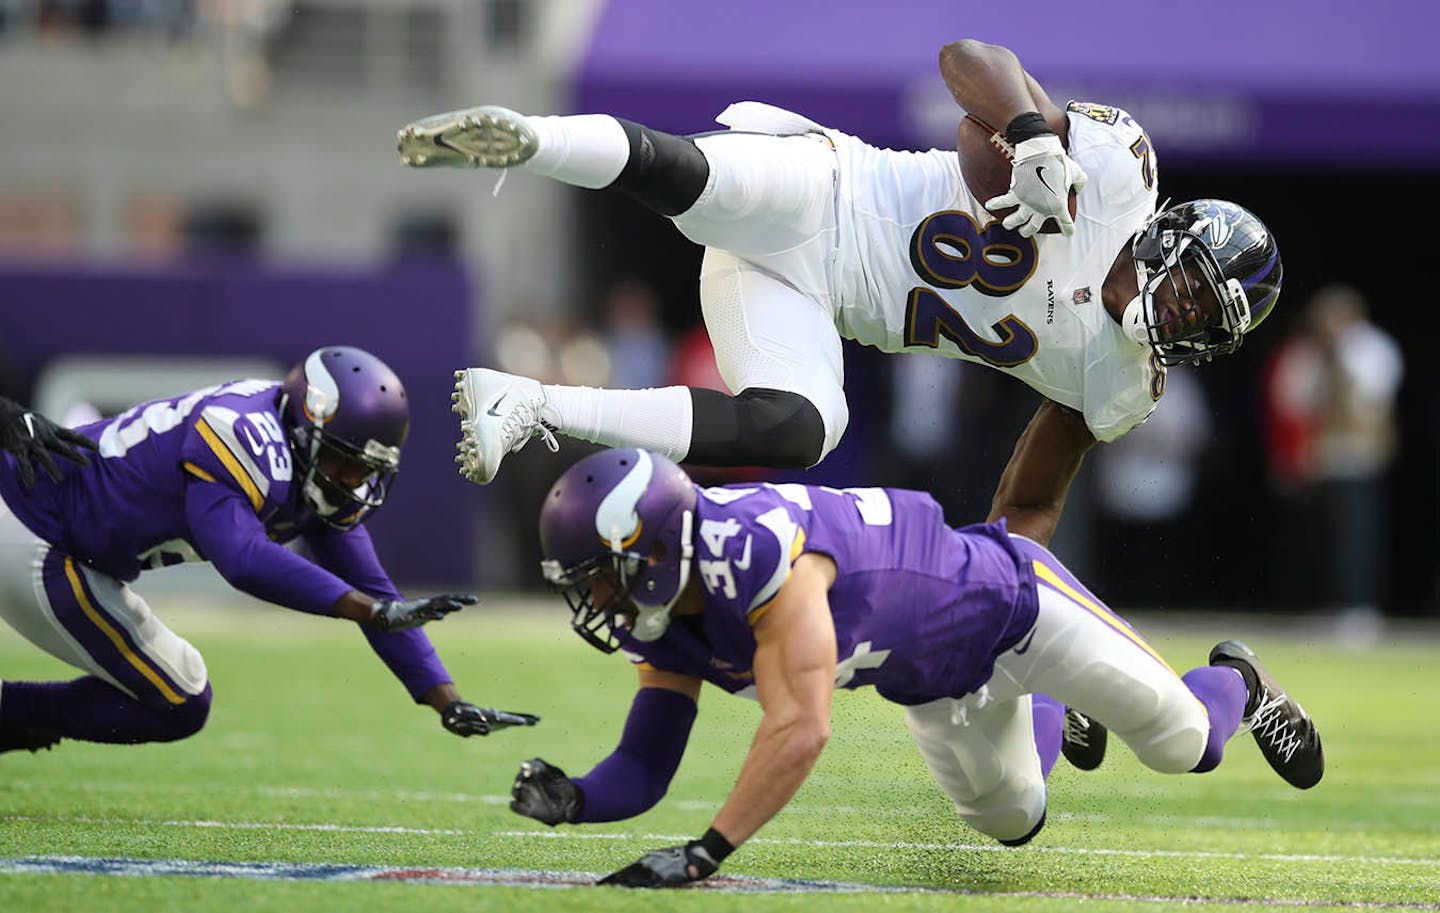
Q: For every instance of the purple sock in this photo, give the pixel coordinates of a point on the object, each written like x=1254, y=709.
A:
x=1049, y=722
x=1223, y=692
x=92, y=710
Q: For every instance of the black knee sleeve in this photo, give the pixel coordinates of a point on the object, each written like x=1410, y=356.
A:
x=665, y=172
x=759, y=427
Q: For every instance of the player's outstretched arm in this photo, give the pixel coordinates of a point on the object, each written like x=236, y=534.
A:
x=399, y=614
x=465, y=719
x=1032, y=489
x=33, y=438
x=633, y=777
x=989, y=83
x=795, y=677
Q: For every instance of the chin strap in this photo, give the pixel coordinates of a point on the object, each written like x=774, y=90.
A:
x=651, y=621
x=1132, y=322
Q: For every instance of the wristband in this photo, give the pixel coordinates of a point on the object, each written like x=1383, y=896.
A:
x=716, y=845
x=1026, y=126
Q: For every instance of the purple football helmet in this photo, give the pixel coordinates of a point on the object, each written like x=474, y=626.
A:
x=346, y=415
x=1211, y=245
x=624, y=519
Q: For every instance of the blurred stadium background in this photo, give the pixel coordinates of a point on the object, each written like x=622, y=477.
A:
x=192, y=190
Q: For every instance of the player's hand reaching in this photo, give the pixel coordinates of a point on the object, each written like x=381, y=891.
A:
x=543, y=792
x=398, y=614
x=32, y=437
x=1041, y=176
x=674, y=866
x=465, y=719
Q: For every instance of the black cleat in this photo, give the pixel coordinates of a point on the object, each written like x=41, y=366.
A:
x=1283, y=730
x=1083, y=742
x=17, y=738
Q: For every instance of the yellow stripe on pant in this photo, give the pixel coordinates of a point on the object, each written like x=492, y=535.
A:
x=144, y=668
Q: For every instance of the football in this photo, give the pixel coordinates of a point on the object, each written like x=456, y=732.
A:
x=985, y=163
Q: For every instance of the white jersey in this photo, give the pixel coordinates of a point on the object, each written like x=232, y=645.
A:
x=923, y=267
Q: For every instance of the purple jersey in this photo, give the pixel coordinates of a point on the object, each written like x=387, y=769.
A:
x=921, y=610
x=208, y=477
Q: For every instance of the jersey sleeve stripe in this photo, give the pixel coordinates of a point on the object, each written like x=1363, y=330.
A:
x=197, y=471
x=797, y=548
x=133, y=658
x=229, y=460
x=1054, y=581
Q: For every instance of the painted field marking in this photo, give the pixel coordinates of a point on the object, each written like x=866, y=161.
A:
x=988, y=848
x=678, y=838
x=733, y=884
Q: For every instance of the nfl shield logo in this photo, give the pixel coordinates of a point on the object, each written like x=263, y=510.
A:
x=1082, y=295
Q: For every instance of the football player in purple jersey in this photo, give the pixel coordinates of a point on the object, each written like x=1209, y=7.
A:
x=227, y=474
x=32, y=438
x=784, y=593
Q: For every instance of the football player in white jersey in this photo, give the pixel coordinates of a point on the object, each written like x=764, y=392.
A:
x=812, y=236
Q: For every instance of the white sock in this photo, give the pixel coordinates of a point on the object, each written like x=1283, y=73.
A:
x=658, y=419
x=587, y=150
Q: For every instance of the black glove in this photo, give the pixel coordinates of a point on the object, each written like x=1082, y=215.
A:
x=674, y=866
x=32, y=436
x=465, y=719
x=397, y=614
x=544, y=793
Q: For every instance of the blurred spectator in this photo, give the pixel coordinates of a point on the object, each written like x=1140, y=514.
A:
x=1330, y=394
x=426, y=235
x=693, y=362
x=222, y=229
x=639, y=351
x=1144, y=485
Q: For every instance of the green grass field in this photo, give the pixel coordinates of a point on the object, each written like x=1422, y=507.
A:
x=314, y=754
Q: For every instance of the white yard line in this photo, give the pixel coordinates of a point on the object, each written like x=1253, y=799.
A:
x=986, y=847
x=681, y=838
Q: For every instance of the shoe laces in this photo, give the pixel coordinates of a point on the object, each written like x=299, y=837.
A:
x=1271, y=723
x=1077, y=729
x=522, y=423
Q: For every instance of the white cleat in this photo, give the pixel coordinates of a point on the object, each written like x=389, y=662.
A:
x=499, y=414
x=484, y=137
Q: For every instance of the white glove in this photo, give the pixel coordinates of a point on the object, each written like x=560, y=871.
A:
x=1040, y=180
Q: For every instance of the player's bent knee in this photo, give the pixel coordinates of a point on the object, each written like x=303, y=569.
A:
x=1176, y=753
x=1175, y=743
x=788, y=424
x=1021, y=841
x=758, y=427
x=1011, y=818
x=187, y=718
x=664, y=172
x=1013, y=813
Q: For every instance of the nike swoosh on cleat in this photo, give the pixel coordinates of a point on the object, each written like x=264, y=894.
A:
x=495, y=405
x=1026, y=645
x=1040, y=173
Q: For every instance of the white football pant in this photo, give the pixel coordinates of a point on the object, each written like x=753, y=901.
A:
x=767, y=221
x=981, y=748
